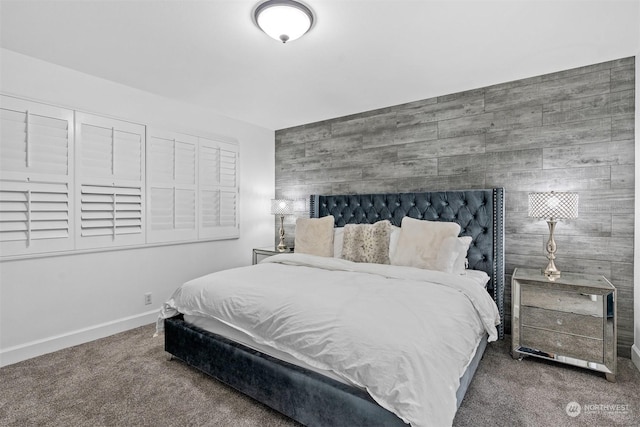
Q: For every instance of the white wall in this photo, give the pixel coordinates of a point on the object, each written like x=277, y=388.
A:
x=54, y=302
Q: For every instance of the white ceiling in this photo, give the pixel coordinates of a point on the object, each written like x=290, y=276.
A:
x=360, y=55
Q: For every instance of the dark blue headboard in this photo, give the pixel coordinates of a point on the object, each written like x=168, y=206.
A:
x=480, y=214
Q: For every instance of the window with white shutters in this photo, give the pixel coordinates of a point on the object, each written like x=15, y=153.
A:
x=109, y=184
x=171, y=186
x=77, y=181
x=36, y=177
x=218, y=189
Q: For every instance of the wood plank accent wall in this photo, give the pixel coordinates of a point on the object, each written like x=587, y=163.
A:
x=568, y=131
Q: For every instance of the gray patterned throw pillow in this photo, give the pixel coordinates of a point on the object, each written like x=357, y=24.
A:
x=367, y=242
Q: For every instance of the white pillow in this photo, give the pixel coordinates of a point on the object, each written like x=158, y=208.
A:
x=314, y=236
x=452, y=254
x=460, y=265
x=478, y=276
x=338, y=237
x=419, y=242
x=393, y=240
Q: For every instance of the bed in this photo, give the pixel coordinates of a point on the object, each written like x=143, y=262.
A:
x=307, y=382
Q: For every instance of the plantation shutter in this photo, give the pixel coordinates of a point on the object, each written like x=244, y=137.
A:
x=218, y=189
x=110, y=190
x=171, y=186
x=36, y=175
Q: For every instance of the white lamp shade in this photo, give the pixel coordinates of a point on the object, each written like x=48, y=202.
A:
x=555, y=205
x=283, y=20
x=281, y=207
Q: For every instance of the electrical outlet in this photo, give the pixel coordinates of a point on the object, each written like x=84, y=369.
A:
x=147, y=299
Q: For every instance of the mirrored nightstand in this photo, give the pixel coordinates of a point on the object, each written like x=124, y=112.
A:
x=571, y=319
x=261, y=253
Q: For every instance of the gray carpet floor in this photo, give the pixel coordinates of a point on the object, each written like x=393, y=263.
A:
x=126, y=380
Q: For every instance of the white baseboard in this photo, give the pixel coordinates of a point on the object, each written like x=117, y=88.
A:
x=31, y=349
x=635, y=355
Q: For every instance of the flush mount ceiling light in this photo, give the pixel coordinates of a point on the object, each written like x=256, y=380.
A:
x=283, y=20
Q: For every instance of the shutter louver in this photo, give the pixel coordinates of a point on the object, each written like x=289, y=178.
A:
x=227, y=168
x=185, y=210
x=110, y=211
x=185, y=169
x=209, y=165
x=34, y=143
x=33, y=210
x=228, y=208
x=36, y=154
x=210, y=208
x=127, y=149
x=108, y=152
x=161, y=208
x=110, y=186
x=171, y=186
x=97, y=151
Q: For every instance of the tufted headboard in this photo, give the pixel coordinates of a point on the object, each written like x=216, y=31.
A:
x=480, y=214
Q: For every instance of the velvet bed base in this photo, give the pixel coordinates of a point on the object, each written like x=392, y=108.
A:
x=303, y=395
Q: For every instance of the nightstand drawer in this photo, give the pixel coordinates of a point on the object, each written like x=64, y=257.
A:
x=559, y=321
x=569, y=302
x=582, y=348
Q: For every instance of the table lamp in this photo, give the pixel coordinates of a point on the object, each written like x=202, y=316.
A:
x=552, y=206
x=281, y=207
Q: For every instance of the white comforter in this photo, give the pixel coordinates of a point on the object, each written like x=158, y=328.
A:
x=404, y=334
